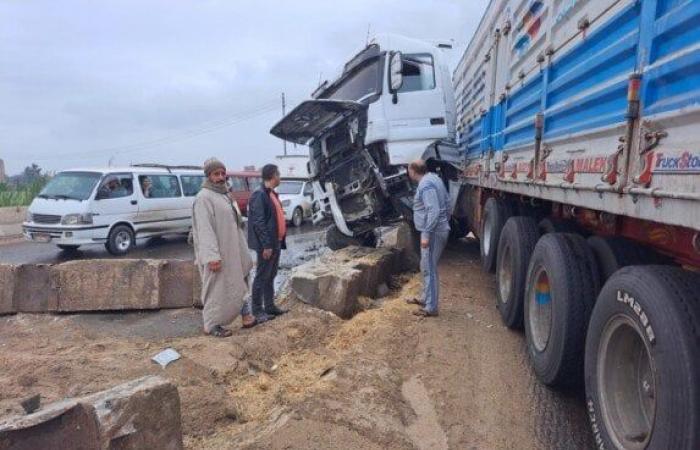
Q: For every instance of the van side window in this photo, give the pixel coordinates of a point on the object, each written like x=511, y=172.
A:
x=418, y=73
x=191, y=184
x=116, y=185
x=161, y=186
x=254, y=182
x=237, y=184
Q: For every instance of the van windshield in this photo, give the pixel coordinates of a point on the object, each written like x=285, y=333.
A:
x=71, y=186
x=289, y=187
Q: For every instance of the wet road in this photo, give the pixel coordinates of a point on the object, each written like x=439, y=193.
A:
x=302, y=244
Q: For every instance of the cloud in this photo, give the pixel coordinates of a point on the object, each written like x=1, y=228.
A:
x=80, y=80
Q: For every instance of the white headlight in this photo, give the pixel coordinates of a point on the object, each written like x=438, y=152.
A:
x=286, y=203
x=28, y=217
x=77, y=219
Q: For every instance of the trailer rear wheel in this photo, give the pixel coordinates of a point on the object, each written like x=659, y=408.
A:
x=559, y=296
x=548, y=225
x=614, y=253
x=643, y=360
x=517, y=243
x=495, y=215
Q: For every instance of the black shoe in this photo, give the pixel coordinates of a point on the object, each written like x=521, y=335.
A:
x=275, y=311
x=263, y=317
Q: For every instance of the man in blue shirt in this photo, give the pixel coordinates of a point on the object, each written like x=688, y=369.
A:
x=431, y=216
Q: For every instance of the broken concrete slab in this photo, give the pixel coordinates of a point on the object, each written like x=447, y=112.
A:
x=336, y=280
x=140, y=414
x=197, y=289
x=33, y=289
x=100, y=285
x=176, y=284
x=8, y=285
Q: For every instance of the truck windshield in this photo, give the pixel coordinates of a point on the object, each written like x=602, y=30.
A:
x=71, y=186
x=289, y=187
x=360, y=83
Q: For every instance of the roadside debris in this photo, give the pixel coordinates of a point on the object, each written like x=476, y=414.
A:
x=166, y=357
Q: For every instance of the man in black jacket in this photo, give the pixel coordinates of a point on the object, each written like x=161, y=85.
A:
x=267, y=230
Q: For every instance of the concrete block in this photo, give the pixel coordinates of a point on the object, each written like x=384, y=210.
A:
x=33, y=290
x=177, y=284
x=197, y=289
x=99, y=285
x=140, y=414
x=335, y=281
x=8, y=285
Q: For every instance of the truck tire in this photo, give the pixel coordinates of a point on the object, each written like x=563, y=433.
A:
x=495, y=215
x=559, y=297
x=518, y=240
x=458, y=229
x=548, y=225
x=335, y=240
x=643, y=360
x=120, y=240
x=614, y=253
x=298, y=217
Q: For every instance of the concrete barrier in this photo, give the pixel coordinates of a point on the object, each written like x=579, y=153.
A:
x=8, y=284
x=140, y=414
x=335, y=281
x=100, y=285
x=33, y=289
x=177, y=279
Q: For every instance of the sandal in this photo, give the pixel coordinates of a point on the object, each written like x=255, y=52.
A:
x=219, y=331
x=414, y=301
x=425, y=313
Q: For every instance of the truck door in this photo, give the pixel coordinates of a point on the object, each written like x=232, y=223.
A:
x=418, y=109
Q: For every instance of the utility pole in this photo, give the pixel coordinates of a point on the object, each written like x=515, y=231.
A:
x=284, y=113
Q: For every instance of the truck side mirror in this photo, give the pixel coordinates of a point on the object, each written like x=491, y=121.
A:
x=395, y=74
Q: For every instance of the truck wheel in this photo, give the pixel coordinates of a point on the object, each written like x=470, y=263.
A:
x=559, y=297
x=120, y=240
x=614, y=253
x=335, y=240
x=548, y=225
x=643, y=360
x=458, y=229
x=297, y=217
x=517, y=243
x=495, y=215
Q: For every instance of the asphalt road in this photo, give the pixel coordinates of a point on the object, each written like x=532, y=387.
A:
x=301, y=242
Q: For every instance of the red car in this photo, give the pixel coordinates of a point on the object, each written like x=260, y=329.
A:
x=241, y=185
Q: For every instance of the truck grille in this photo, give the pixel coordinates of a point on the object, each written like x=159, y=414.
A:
x=46, y=218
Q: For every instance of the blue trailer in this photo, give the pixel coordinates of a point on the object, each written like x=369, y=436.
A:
x=579, y=122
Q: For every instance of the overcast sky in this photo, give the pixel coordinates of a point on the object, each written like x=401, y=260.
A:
x=178, y=81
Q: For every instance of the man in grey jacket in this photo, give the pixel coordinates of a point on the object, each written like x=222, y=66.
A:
x=431, y=216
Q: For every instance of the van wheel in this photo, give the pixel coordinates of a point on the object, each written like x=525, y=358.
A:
x=559, y=297
x=643, y=360
x=495, y=215
x=120, y=240
x=68, y=248
x=517, y=243
x=297, y=217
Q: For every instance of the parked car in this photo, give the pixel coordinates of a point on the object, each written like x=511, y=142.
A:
x=241, y=185
x=297, y=197
x=113, y=206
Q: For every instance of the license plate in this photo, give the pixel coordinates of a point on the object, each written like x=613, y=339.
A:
x=41, y=237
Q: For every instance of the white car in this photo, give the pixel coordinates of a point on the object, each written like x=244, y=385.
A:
x=297, y=196
x=113, y=206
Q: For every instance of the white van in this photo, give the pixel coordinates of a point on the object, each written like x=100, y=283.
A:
x=113, y=206
x=297, y=197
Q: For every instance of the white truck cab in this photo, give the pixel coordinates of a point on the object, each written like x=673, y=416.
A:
x=392, y=103
x=113, y=206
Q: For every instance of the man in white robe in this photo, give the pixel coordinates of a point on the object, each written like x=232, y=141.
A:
x=221, y=253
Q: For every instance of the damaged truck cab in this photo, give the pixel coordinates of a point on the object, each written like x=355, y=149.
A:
x=393, y=103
